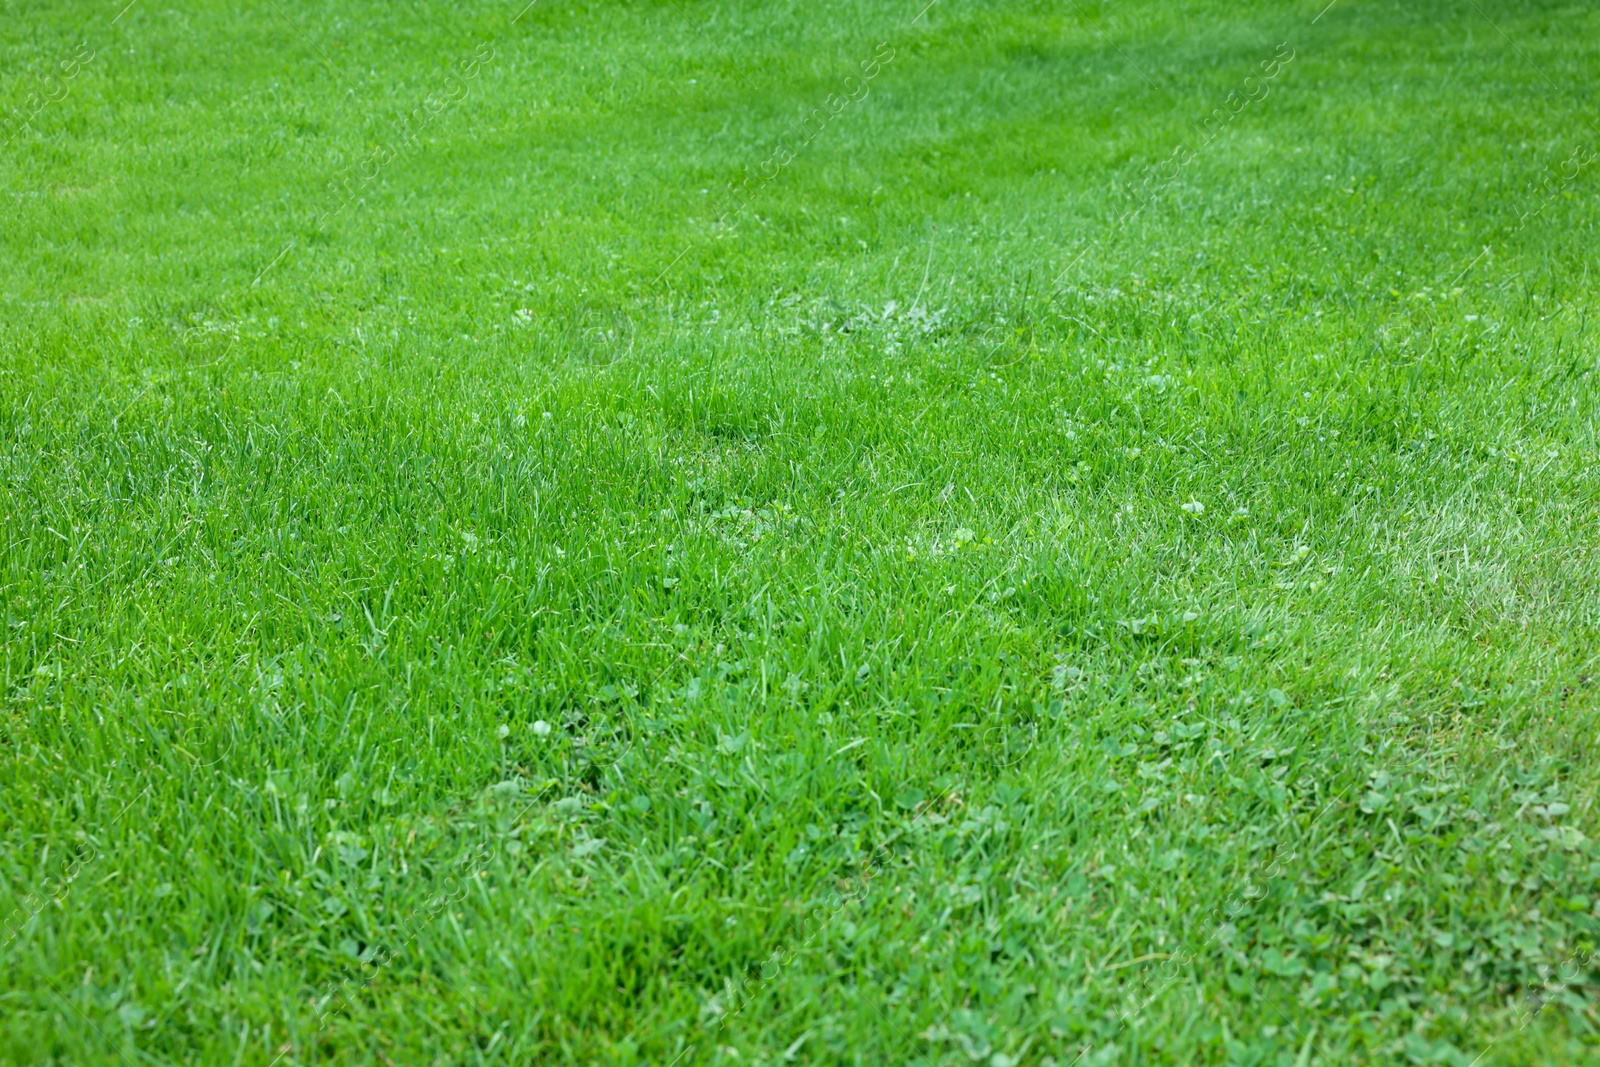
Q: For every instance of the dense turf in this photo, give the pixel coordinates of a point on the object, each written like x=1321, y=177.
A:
x=710, y=532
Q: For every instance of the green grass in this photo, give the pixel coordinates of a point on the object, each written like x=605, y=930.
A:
x=996, y=596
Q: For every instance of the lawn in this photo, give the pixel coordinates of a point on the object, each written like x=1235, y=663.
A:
x=704, y=532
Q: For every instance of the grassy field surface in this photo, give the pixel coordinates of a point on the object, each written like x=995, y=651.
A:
x=704, y=532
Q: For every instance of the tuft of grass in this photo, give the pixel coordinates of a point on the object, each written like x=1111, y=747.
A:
x=710, y=532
